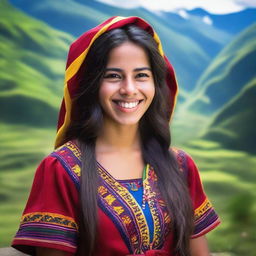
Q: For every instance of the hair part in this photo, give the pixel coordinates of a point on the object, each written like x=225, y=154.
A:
x=154, y=130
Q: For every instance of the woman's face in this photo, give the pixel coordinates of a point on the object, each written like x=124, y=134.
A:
x=127, y=88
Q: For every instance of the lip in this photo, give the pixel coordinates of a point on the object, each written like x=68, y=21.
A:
x=128, y=101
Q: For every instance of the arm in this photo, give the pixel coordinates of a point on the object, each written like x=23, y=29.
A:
x=41, y=251
x=199, y=246
x=51, y=211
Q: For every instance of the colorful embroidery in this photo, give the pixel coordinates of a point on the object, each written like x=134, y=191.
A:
x=130, y=207
x=70, y=157
x=48, y=227
x=158, y=209
x=133, y=185
x=205, y=206
x=205, y=218
x=121, y=205
x=50, y=218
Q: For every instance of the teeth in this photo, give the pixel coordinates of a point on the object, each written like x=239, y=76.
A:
x=128, y=104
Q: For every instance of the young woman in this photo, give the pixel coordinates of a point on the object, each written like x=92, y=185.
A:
x=113, y=186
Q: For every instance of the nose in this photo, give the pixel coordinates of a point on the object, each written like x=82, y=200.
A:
x=128, y=87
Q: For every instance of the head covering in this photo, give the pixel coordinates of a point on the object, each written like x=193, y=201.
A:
x=77, y=54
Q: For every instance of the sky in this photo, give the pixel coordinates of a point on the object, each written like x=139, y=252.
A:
x=212, y=6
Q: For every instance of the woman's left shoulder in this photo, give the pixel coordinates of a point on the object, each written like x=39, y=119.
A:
x=184, y=159
x=205, y=216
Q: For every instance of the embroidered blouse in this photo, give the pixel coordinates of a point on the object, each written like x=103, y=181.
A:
x=50, y=218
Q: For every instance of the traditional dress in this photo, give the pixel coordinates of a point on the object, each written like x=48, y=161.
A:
x=126, y=226
x=51, y=217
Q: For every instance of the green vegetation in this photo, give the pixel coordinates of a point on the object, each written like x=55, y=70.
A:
x=229, y=180
x=233, y=125
x=22, y=148
x=31, y=68
x=228, y=73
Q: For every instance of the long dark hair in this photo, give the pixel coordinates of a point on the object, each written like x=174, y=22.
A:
x=154, y=131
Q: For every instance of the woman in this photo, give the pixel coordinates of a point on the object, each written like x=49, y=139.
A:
x=113, y=186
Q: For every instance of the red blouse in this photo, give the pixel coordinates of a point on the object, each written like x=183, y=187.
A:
x=50, y=218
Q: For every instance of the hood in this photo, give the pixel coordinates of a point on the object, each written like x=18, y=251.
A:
x=77, y=54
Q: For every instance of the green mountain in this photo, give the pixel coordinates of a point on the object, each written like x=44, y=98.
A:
x=31, y=68
x=234, y=125
x=229, y=72
x=189, y=44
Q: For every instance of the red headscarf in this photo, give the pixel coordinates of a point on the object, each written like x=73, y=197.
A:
x=77, y=54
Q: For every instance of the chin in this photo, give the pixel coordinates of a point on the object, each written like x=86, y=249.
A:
x=128, y=123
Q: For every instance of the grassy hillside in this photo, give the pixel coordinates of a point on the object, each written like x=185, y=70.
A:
x=234, y=125
x=31, y=68
x=22, y=148
x=231, y=70
x=229, y=181
x=32, y=63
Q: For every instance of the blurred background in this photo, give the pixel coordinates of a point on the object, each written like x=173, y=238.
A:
x=213, y=50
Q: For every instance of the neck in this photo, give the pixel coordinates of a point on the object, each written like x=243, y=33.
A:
x=118, y=138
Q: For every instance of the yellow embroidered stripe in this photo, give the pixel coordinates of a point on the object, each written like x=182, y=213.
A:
x=205, y=206
x=48, y=217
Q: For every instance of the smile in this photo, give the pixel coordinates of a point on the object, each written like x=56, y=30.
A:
x=127, y=105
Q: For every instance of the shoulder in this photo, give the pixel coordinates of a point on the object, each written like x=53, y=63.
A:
x=69, y=157
x=67, y=150
x=184, y=160
x=62, y=163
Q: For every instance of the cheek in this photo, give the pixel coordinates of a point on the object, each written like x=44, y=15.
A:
x=150, y=91
x=104, y=93
x=108, y=89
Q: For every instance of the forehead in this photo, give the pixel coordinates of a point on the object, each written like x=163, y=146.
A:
x=128, y=55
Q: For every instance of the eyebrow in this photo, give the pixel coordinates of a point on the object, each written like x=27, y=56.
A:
x=120, y=70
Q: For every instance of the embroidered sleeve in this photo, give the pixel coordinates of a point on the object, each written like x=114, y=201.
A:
x=206, y=218
x=50, y=216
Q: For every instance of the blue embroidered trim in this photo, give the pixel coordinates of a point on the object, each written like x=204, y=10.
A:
x=67, y=167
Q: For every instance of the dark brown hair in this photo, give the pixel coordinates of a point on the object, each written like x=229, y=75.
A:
x=155, y=136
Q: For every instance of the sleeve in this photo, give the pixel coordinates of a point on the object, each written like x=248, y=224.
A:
x=50, y=218
x=206, y=218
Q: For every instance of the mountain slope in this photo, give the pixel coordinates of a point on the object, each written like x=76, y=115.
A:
x=233, y=23
x=31, y=68
x=190, y=47
x=234, y=67
x=234, y=126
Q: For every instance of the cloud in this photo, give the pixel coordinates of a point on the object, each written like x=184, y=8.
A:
x=212, y=6
x=125, y=4
x=246, y=3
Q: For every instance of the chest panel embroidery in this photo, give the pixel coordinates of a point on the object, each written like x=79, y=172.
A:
x=119, y=204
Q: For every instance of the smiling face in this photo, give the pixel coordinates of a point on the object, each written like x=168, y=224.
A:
x=127, y=88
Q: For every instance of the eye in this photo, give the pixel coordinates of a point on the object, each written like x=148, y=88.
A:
x=112, y=76
x=142, y=75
